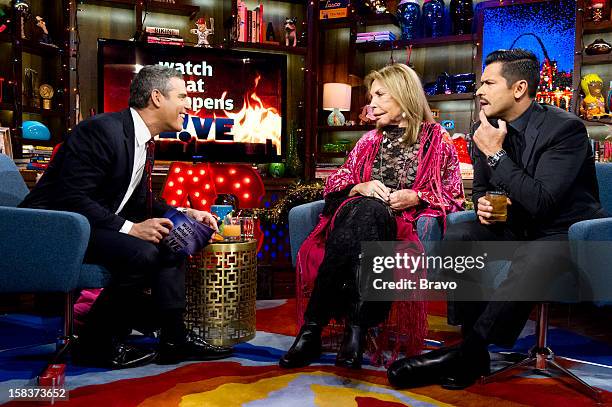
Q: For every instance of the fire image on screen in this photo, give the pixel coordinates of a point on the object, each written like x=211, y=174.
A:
x=236, y=99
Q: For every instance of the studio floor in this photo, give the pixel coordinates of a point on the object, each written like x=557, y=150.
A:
x=252, y=377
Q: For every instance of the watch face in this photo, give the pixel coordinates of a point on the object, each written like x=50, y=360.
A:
x=46, y=91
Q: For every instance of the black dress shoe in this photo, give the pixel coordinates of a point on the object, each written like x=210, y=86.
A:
x=351, y=350
x=305, y=349
x=474, y=366
x=191, y=348
x=119, y=356
x=422, y=370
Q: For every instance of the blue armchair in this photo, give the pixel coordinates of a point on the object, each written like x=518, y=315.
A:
x=594, y=266
x=42, y=251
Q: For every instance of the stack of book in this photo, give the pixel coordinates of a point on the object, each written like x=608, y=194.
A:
x=602, y=150
x=163, y=36
x=35, y=157
x=324, y=170
x=375, y=36
x=250, y=23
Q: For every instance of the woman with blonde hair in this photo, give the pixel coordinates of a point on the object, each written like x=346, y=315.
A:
x=404, y=169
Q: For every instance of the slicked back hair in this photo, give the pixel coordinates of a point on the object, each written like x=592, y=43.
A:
x=517, y=64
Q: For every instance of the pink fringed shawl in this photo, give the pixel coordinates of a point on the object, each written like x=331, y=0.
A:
x=439, y=180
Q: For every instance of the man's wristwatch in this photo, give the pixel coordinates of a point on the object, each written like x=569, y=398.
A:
x=494, y=159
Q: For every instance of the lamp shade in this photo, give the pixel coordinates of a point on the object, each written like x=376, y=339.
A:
x=337, y=96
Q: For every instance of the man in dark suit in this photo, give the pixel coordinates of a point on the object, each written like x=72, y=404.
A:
x=102, y=171
x=540, y=156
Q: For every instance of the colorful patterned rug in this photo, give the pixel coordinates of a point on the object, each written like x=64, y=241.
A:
x=252, y=377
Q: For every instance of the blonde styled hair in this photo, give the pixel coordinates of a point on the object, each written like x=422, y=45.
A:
x=404, y=86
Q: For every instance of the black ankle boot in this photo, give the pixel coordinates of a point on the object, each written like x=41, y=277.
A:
x=305, y=349
x=351, y=350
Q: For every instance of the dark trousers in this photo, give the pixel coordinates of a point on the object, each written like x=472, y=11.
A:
x=335, y=292
x=135, y=266
x=501, y=320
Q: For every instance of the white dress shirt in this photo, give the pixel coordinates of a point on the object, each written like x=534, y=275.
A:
x=143, y=135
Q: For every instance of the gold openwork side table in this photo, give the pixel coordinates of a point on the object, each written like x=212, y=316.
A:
x=221, y=292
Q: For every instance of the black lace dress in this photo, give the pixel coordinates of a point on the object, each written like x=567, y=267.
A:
x=335, y=291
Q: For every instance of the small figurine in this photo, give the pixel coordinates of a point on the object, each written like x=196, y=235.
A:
x=367, y=115
x=44, y=37
x=270, y=32
x=290, y=31
x=598, y=47
x=593, y=106
x=203, y=31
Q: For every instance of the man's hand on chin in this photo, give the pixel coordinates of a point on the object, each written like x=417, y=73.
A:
x=489, y=139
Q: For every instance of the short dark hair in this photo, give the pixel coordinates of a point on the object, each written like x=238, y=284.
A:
x=151, y=77
x=518, y=64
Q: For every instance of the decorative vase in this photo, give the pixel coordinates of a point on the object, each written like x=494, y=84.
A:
x=462, y=15
x=276, y=170
x=408, y=14
x=433, y=18
x=294, y=163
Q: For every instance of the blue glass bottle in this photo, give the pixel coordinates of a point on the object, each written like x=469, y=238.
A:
x=462, y=16
x=408, y=14
x=433, y=18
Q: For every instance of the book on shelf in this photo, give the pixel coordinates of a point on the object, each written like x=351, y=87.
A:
x=165, y=42
x=249, y=23
x=6, y=146
x=163, y=31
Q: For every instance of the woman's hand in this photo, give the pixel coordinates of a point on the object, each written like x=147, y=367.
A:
x=374, y=189
x=404, y=198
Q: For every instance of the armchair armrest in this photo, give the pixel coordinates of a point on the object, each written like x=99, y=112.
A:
x=302, y=220
x=591, y=246
x=460, y=217
x=41, y=250
x=592, y=229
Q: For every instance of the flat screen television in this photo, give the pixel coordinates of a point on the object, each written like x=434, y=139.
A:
x=237, y=99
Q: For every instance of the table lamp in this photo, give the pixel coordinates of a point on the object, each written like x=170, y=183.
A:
x=336, y=97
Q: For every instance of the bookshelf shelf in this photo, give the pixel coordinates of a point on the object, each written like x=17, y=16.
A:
x=6, y=106
x=321, y=155
x=597, y=122
x=360, y=127
x=451, y=97
x=153, y=6
x=416, y=43
x=268, y=47
x=597, y=28
x=43, y=112
x=4, y=37
x=597, y=59
x=32, y=47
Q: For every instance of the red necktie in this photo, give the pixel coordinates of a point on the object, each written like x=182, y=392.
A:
x=149, y=171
